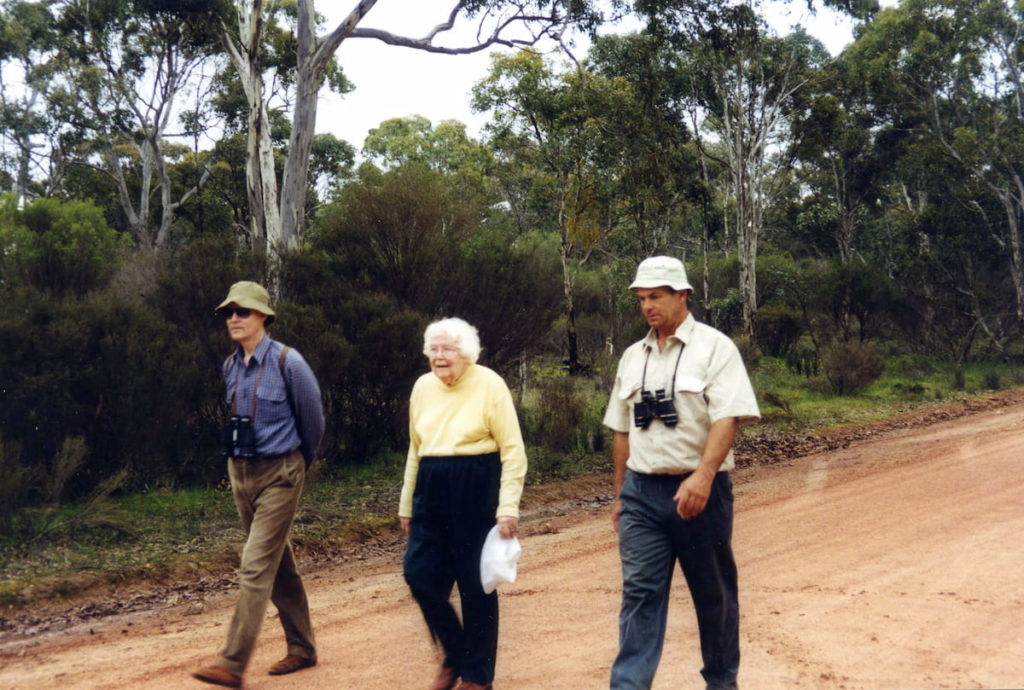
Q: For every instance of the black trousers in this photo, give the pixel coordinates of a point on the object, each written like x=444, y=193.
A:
x=453, y=510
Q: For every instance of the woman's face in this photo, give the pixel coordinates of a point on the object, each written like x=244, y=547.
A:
x=446, y=361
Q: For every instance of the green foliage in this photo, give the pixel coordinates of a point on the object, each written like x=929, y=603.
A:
x=852, y=366
x=779, y=328
x=59, y=247
x=892, y=228
x=446, y=148
x=555, y=416
x=749, y=351
x=409, y=235
x=16, y=481
x=561, y=416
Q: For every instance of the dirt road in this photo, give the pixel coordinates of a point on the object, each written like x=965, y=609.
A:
x=895, y=563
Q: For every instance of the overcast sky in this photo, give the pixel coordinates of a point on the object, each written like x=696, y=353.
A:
x=398, y=82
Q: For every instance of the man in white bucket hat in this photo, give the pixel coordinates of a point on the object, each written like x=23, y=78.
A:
x=678, y=398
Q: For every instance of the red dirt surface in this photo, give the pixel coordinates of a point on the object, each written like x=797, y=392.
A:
x=892, y=563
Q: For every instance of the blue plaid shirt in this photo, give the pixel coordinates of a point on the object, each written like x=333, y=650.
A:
x=278, y=430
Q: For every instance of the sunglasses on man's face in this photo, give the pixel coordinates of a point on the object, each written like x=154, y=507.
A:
x=228, y=312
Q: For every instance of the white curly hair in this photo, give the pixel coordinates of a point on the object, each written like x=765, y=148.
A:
x=462, y=334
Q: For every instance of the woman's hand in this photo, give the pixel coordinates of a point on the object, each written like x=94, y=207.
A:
x=508, y=527
x=406, y=525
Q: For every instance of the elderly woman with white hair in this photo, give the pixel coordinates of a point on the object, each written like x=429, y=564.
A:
x=464, y=473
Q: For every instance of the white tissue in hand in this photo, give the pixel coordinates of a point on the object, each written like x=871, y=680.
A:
x=498, y=560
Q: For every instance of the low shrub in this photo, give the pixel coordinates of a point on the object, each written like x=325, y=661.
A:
x=991, y=381
x=852, y=366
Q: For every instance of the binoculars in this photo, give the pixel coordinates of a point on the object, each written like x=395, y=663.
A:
x=654, y=405
x=238, y=438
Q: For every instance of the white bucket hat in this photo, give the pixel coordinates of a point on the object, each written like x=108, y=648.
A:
x=660, y=271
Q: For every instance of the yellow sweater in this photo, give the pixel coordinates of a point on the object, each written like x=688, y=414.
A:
x=473, y=416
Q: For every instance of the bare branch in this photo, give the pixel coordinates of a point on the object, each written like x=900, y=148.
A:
x=421, y=44
x=330, y=43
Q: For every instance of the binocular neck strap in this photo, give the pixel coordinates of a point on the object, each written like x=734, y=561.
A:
x=675, y=369
x=234, y=394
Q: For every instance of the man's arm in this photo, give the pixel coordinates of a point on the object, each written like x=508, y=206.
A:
x=308, y=410
x=693, y=493
x=620, y=454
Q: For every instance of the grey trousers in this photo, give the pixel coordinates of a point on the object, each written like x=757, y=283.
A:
x=652, y=539
x=266, y=494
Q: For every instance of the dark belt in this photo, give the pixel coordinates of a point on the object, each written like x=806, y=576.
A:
x=460, y=458
x=266, y=458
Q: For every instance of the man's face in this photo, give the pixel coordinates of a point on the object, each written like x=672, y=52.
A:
x=244, y=328
x=663, y=308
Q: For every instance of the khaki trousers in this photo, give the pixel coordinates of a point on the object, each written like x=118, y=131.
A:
x=266, y=493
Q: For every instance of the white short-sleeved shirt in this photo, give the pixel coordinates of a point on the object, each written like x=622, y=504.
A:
x=711, y=383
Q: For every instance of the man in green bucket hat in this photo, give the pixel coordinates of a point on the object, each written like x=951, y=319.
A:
x=270, y=439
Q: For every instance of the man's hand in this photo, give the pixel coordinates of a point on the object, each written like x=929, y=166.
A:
x=616, y=513
x=692, y=496
x=508, y=527
x=406, y=525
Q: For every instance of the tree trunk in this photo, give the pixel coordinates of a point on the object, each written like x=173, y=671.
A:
x=572, y=345
x=136, y=221
x=296, y=167
x=564, y=253
x=1014, y=219
x=260, y=175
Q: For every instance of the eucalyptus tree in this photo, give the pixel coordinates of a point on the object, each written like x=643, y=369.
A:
x=838, y=160
x=122, y=69
x=658, y=183
x=278, y=219
x=550, y=131
x=952, y=69
x=747, y=88
x=842, y=176
x=414, y=139
x=28, y=40
x=445, y=148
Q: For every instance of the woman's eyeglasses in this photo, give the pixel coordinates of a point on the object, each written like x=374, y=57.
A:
x=228, y=312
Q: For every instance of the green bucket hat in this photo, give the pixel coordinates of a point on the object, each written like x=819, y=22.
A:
x=251, y=295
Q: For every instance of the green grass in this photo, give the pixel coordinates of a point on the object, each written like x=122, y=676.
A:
x=793, y=402
x=49, y=554
x=56, y=552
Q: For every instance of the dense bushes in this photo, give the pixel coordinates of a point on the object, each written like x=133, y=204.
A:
x=111, y=358
x=852, y=366
x=57, y=247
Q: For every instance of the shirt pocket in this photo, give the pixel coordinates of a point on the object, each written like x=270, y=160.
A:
x=689, y=384
x=690, y=401
x=629, y=390
x=271, y=404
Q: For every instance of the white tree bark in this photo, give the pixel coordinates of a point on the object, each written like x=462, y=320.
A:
x=281, y=219
x=752, y=127
x=244, y=48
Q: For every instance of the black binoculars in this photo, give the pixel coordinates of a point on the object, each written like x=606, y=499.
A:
x=238, y=438
x=654, y=405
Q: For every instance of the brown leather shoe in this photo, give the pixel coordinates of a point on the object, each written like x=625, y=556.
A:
x=445, y=680
x=467, y=685
x=215, y=675
x=291, y=664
